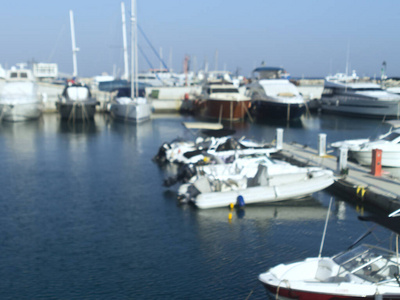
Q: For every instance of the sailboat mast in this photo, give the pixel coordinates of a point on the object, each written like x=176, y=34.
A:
x=136, y=53
x=132, y=51
x=74, y=48
x=126, y=64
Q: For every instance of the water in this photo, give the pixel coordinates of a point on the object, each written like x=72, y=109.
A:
x=83, y=215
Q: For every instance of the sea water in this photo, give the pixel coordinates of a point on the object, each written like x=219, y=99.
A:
x=84, y=215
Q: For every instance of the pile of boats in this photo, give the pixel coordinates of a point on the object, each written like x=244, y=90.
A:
x=221, y=171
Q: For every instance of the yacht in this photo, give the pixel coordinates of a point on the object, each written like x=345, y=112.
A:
x=273, y=95
x=361, y=149
x=220, y=99
x=19, y=99
x=363, y=99
x=76, y=103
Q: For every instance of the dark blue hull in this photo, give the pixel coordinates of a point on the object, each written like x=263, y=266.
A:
x=264, y=109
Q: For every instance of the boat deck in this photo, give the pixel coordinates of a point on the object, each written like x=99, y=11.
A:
x=358, y=183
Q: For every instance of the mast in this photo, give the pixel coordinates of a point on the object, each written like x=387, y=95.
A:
x=74, y=48
x=126, y=64
x=134, y=79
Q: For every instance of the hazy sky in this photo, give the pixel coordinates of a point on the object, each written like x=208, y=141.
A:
x=307, y=38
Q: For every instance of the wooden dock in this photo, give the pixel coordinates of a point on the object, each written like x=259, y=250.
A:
x=359, y=184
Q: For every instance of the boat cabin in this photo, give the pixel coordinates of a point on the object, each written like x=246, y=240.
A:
x=270, y=73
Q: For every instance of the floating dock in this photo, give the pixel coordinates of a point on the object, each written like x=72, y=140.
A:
x=382, y=192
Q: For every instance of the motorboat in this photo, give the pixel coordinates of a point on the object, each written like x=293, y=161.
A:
x=19, y=98
x=363, y=99
x=76, y=102
x=251, y=179
x=203, y=149
x=220, y=99
x=363, y=272
x=274, y=96
x=128, y=105
x=361, y=149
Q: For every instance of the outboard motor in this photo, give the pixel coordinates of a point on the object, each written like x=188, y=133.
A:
x=161, y=155
x=185, y=172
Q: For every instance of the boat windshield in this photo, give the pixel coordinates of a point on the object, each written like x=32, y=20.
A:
x=223, y=90
x=391, y=137
x=370, y=263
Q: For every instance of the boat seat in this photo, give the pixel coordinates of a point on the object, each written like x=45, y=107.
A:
x=326, y=270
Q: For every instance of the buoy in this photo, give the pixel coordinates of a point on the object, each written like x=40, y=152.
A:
x=231, y=206
x=240, y=201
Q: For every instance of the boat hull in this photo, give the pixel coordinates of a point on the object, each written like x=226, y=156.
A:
x=20, y=112
x=135, y=113
x=78, y=111
x=287, y=293
x=266, y=194
x=222, y=109
x=389, y=158
x=269, y=109
x=371, y=108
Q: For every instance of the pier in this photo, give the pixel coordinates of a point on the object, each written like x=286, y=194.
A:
x=358, y=183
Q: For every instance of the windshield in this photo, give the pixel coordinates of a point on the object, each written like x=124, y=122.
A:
x=369, y=263
x=392, y=136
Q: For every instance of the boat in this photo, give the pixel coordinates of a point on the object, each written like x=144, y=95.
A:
x=220, y=99
x=362, y=99
x=251, y=179
x=212, y=148
x=361, y=149
x=274, y=96
x=130, y=106
x=76, y=102
x=363, y=272
x=19, y=99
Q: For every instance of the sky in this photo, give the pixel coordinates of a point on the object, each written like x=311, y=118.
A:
x=307, y=38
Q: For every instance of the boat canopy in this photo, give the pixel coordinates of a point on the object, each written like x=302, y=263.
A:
x=268, y=73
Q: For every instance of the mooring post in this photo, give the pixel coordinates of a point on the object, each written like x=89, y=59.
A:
x=342, y=161
x=279, y=138
x=321, y=144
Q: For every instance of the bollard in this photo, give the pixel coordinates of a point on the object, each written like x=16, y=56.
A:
x=321, y=144
x=342, y=161
x=376, y=164
x=279, y=138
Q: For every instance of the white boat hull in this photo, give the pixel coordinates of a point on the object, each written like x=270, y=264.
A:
x=389, y=158
x=20, y=112
x=131, y=112
x=265, y=194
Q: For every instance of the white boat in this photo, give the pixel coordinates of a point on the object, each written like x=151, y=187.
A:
x=19, y=99
x=126, y=108
x=220, y=99
x=363, y=99
x=210, y=148
x=131, y=107
x=364, y=272
x=274, y=96
x=361, y=149
x=76, y=103
x=252, y=179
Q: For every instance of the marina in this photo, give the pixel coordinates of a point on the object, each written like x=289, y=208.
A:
x=89, y=223
x=271, y=171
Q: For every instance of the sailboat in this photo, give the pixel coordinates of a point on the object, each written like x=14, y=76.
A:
x=127, y=104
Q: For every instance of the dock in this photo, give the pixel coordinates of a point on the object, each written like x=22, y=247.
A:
x=358, y=185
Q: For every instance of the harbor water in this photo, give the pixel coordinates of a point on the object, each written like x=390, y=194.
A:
x=84, y=215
